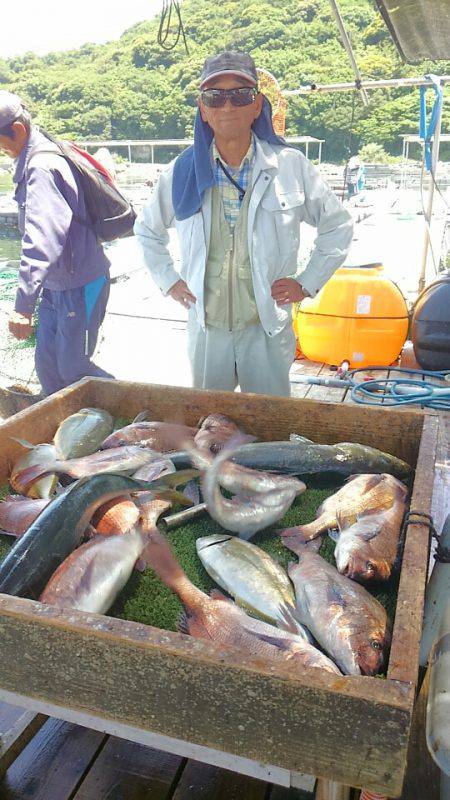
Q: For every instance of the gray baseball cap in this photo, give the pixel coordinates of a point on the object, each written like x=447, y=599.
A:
x=229, y=62
x=10, y=107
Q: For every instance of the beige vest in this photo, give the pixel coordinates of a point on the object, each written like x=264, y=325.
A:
x=229, y=297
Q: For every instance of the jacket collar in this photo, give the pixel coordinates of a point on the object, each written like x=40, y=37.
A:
x=266, y=157
x=21, y=163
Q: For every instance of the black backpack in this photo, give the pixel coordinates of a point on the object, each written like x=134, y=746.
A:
x=109, y=214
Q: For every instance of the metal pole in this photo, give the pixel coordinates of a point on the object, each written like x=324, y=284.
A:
x=320, y=152
x=153, y=152
x=429, y=211
x=383, y=84
x=347, y=44
x=307, y=150
x=129, y=153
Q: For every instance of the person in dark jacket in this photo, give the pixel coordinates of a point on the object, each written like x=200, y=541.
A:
x=62, y=260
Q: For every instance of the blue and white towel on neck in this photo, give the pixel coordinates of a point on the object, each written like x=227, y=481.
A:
x=193, y=172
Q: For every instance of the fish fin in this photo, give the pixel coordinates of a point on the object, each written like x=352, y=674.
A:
x=275, y=641
x=90, y=532
x=335, y=596
x=369, y=526
x=177, y=478
x=26, y=477
x=23, y=442
x=296, y=438
x=9, y=533
x=298, y=545
x=215, y=594
x=192, y=491
x=183, y=623
x=334, y=535
x=290, y=621
x=173, y=496
x=140, y=564
x=141, y=417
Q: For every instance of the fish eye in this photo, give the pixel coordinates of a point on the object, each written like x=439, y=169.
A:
x=375, y=644
x=369, y=566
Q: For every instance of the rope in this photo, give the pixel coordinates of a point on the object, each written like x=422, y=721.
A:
x=164, y=30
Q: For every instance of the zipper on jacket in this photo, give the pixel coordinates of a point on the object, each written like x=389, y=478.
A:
x=230, y=280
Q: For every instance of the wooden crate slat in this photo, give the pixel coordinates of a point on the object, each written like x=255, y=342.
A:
x=350, y=730
x=131, y=771
x=303, y=367
x=319, y=724
x=204, y=782
x=17, y=727
x=327, y=394
x=281, y=793
x=404, y=656
x=53, y=763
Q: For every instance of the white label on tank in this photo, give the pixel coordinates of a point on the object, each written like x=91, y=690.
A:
x=363, y=302
x=357, y=357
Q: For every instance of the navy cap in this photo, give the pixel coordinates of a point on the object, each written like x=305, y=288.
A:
x=10, y=107
x=229, y=63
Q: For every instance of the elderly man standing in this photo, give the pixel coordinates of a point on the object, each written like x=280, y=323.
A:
x=236, y=199
x=62, y=260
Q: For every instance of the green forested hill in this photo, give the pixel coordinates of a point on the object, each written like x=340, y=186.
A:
x=131, y=88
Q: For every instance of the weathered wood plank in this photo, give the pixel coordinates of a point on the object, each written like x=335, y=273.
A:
x=422, y=778
x=53, y=763
x=204, y=782
x=281, y=793
x=353, y=730
x=17, y=727
x=268, y=418
x=327, y=394
x=404, y=657
x=129, y=770
x=303, y=368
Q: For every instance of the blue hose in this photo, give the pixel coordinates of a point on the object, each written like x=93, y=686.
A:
x=402, y=391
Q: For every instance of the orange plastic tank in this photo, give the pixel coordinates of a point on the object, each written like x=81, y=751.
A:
x=360, y=316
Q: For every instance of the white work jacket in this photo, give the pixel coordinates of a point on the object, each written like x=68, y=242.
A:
x=286, y=190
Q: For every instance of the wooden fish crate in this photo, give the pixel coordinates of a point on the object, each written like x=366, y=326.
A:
x=200, y=699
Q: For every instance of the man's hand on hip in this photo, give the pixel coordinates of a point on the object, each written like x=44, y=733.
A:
x=20, y=325
x=287, y=290
x=180, y=292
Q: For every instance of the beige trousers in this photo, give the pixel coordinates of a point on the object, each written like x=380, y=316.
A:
x=248, y=358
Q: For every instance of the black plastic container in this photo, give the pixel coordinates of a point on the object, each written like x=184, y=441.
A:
x=430, y=326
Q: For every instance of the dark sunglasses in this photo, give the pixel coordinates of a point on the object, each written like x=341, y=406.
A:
x=216, y=98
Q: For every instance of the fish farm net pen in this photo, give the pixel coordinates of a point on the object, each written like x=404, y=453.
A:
x=147, y=600
x=16, y=357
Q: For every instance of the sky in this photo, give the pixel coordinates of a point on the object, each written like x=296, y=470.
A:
x=43, y=26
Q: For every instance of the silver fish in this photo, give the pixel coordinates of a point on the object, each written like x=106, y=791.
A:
x=252, y=577
x=82, y=433
x=244, y=515
x=242, y=480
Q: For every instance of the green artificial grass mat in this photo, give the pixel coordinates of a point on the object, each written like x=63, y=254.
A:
x=146, y=599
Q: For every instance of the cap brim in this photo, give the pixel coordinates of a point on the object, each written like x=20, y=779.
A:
x=221, y=72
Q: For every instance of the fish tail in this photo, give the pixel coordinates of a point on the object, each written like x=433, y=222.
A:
x=160, y=557
x=174, y=496
x=174, y=479
x=26, y=477
x=297, y=544
x=304, y=533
